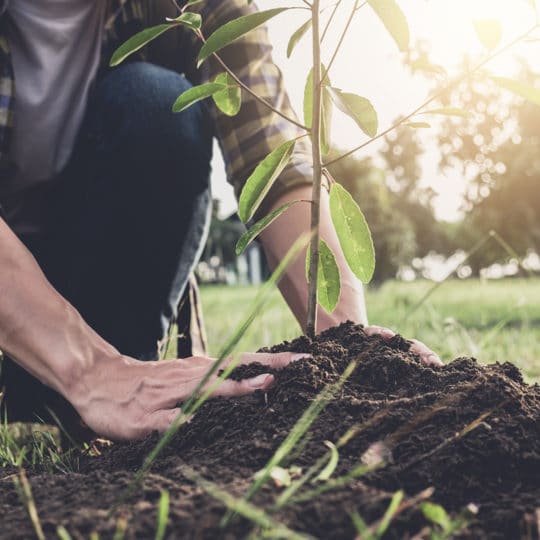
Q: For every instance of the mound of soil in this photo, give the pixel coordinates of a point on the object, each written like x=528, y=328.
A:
x=470, y=432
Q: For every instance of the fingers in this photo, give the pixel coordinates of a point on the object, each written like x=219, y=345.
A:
x=427, y=356
x=425, y=353
x=230, y=388
x=385, y=333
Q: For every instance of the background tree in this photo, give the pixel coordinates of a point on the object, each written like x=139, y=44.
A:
x=498, y=148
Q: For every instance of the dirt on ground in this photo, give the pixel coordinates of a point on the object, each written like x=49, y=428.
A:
x=470, y=432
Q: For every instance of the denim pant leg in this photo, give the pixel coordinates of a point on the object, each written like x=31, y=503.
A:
x=130, y=213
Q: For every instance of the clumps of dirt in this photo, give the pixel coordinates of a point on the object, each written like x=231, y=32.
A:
x=470, y=432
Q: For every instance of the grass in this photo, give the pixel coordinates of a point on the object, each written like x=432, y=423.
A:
x=490, y=320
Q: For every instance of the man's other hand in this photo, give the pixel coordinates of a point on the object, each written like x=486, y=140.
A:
x=127, y=399
x=423, y=351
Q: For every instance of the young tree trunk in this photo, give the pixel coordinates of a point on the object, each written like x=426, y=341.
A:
x=311, y=325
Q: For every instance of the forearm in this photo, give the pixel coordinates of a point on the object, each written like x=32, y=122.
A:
x=38, y=327
x=278, y=238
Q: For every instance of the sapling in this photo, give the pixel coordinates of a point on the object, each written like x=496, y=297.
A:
x=320, y=97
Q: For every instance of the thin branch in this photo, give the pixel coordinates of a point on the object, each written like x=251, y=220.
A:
x=356, y=7
x=250, y=91
x=331, y=18
x=435, y=96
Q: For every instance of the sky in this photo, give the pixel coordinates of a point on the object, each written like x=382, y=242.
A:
x=370, y=65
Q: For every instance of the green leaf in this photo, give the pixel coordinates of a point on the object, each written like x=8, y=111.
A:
x=228, y=100
x=62, y=533
x=450, y=111
x=326, y=126
x=489, y=32
x=297, y=36
x=394, y=20
x=353, y=233
x=262, y=179
x=330, y=467
x=308, y=100
x=254, y=231
x=436, y=514
x=361, y=527
x=326, y=117
x=138, y=41
x=389, y=514
x=328, y=281
x=191, y=20
x=417, y=125
x=425, y=66
x=163, y=515
x=358, y=108
x=196, y=93
x=233, y=30
x=525, y=91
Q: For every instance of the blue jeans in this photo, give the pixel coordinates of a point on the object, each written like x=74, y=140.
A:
x=127, y=218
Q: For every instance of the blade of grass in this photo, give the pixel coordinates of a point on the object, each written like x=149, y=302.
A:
x=24, y=491
x=377, y=530
x=62, y=533
x=163, y=515
x=383, y=450
x=240, y=506
x=336, y=483
x=352, y=432
x=121, y=527
x=297, y=432
x=467, y=429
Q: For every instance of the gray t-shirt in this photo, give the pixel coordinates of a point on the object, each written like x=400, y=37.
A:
x=55, y=47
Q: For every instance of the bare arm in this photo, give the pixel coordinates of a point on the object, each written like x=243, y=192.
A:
x=116, y=396
x=277, y=240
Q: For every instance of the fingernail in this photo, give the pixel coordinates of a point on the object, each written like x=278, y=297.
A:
x=301, y=356
x=432, y=358
x=260, y=380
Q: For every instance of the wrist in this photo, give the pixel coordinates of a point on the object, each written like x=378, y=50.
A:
x=80, y=360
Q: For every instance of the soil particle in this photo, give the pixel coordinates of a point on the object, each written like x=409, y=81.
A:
x=469, y=431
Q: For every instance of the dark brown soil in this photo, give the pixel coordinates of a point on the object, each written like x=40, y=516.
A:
x=416, y=412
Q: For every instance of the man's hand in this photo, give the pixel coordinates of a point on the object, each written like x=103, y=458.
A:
x=126, y=399
x=423, y=351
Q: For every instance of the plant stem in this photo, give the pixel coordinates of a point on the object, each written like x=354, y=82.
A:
x=311, y=326
x=342, y=38
x=330, y=19
x=436, y=95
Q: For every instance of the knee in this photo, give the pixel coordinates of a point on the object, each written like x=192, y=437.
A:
x=135, y=102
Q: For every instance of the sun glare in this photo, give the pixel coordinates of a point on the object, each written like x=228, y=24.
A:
x=449, y=27
x=370, y=64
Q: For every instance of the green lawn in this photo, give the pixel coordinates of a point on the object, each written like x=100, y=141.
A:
x=492, y=320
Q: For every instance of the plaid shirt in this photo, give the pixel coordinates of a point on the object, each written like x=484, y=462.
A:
x=244, y=139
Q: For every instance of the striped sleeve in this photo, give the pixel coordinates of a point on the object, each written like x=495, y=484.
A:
x=247, y=138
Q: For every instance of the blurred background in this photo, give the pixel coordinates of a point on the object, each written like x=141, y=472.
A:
x=454, y=208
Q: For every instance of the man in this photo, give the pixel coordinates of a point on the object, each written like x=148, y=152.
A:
x=105, y=198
